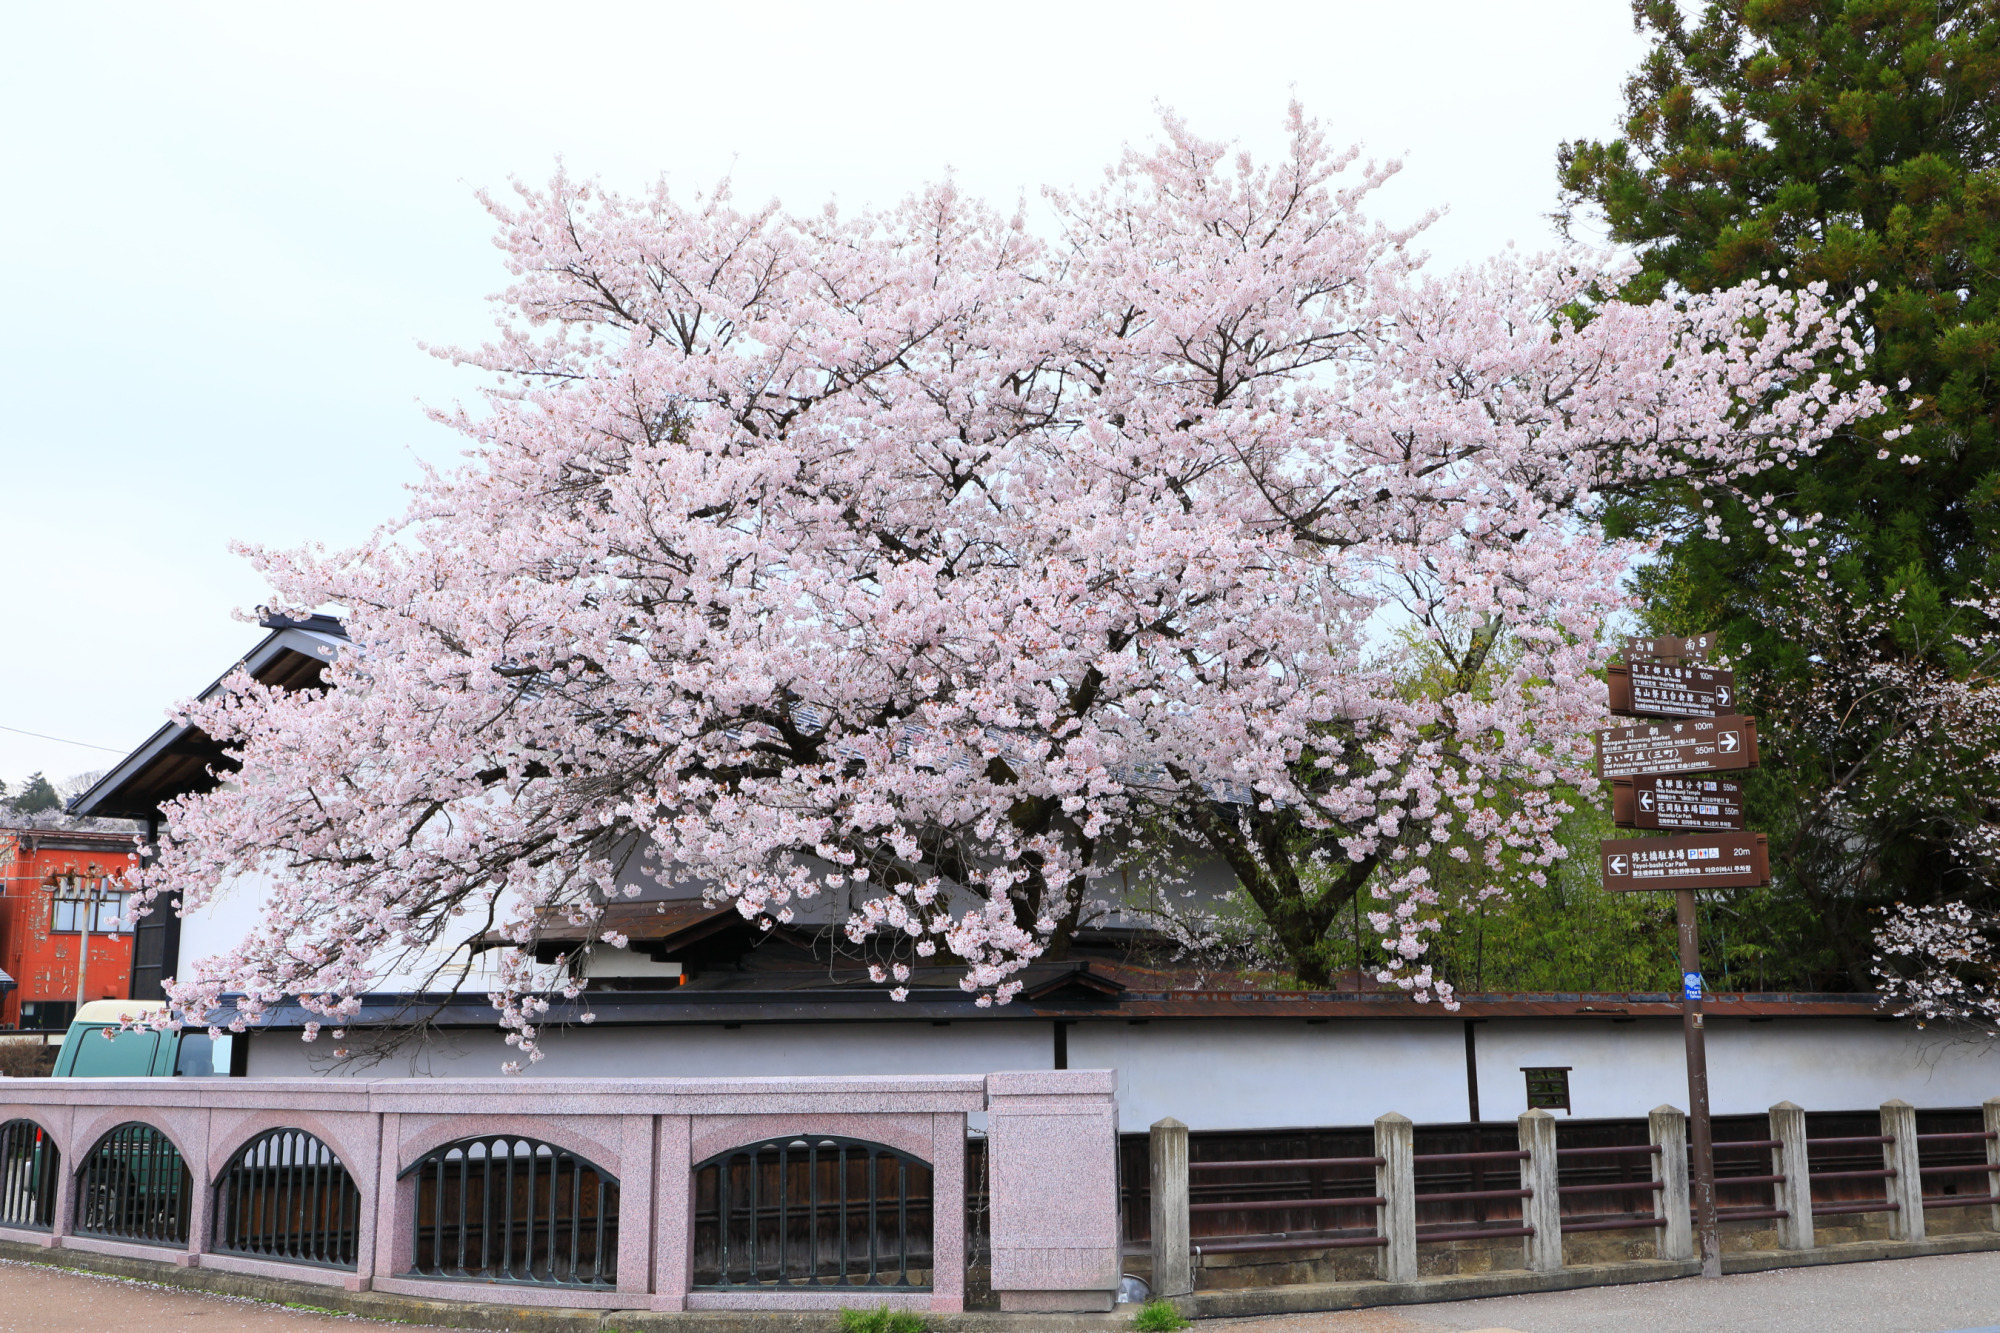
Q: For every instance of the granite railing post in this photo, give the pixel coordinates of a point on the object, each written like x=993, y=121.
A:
x=1052, y=1145
x=1793, y=1193
x=395, y=1208
x=1173, y=1273
x=1667, y=1128
x=673, y=1201
x=1906, y=1187
x=1992, y=1124
x=1542, y=1209
x=1396, y=1183
x=195, y=1125
x=636, y=1243
x=60, y=1121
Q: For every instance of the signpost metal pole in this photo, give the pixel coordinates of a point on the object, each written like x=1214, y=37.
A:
x=1701, y=1141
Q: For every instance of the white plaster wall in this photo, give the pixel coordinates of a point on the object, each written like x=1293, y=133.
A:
x=1626, y=1069
x=1256, y=1074
x=1251, y=1074
x=237, y=906
x=694, y=1052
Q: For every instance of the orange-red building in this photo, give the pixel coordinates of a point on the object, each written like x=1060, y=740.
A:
x=56, y=882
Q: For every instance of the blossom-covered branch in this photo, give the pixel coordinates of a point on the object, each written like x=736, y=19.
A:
x=921, y=557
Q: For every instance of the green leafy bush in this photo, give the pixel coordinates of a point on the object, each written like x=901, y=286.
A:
x=1158, y=1317
x=883, y=1320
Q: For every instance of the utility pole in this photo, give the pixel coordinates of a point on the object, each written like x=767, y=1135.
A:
x=85, y=907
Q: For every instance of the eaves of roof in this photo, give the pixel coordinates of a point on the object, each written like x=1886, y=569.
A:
x=177, y=757
x=867, y=1003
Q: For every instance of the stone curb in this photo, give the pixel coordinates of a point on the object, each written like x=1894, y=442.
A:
x=390, y=1308
x=1301, y=1299
x=1310, y=1298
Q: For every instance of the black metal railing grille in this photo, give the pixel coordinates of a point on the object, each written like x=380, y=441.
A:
x=134, y=1186
x=813, y=1211
x=30, y=1170
x=286, y=1196
x=512, y=1209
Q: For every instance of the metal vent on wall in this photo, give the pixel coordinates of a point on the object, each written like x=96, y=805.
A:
x=30, y=1170
x=134, y=1186
x=286, y=1196
x=813, y=1211
x=504, y=1208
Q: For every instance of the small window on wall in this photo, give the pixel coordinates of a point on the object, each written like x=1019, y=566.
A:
x=78, y=899
x=1548, y=1089
x=47, y=1015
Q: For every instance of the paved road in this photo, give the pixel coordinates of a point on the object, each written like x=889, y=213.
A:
x=42, y=1300
x=1950, y=1292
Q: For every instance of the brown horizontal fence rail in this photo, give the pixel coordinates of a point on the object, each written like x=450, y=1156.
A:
x=287, y=1197
x=1745, y=1186
x=1252, y=1191
x=1474, y=1169
x=813, y=1210
x=1943, y=1150
x=1608, y=1173
x=30, y=1171
x=1844, y=1158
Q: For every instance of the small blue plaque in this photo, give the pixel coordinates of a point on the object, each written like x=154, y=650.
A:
x=1691, y=985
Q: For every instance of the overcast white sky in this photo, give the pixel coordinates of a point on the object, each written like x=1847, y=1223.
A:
x=228, y=226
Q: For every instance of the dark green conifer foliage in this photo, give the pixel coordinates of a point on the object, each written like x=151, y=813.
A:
x=35, y=796
x=1845, y=143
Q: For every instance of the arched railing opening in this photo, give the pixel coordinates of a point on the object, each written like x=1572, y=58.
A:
x=512, y=1209
x=813, y=1211
x=134, y=1186
x=286, y=1196
x=30, y=1170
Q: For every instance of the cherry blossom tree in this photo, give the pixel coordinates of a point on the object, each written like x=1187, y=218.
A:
x=929, y=558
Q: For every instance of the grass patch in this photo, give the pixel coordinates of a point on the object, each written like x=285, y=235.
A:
x=880, y=1320
x=1158, y=1317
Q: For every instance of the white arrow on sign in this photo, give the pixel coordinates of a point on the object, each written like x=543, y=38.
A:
x=1645, y=800
x=1726, y=741
x=1721, y=695
x=1615, y=865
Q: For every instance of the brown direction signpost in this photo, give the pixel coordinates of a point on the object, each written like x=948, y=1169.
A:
x=1697, y=804
x=1665, y=689
x=1699, y=645
x=1698, y=745
x=1708, y=861
x=1652, y=766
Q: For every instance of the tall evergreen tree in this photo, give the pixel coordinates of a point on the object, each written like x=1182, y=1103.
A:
x=1845, y=142
x=36, y=795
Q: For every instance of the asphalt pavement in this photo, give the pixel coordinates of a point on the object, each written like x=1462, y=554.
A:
x=1947, y=1294
x=1957, y=1293
x=34, y=1299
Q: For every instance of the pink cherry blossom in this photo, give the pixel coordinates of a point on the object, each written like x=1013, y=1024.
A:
x=928, y=556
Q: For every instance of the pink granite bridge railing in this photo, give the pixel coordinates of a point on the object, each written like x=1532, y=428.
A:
x=668, y=1194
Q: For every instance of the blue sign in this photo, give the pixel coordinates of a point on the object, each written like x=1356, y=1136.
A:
x=1691, y=985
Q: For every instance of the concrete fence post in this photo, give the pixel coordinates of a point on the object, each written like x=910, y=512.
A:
x=1667, y=1127
x=1793, y=1194
x=1992, y=1109
x=1542, y=1209
x=1396, y=1183
x=1906, y=1187
x=1173, y=1274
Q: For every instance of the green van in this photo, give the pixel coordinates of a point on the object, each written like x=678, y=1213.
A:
x=95, y=1048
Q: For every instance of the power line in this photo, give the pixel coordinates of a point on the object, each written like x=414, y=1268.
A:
x=59, y=740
